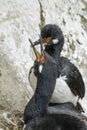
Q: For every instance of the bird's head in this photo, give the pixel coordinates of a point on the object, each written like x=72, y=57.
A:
x=51, y=34
x=43, y=61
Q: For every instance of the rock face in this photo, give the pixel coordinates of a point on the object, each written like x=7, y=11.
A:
x=20, y=20
x=17, y=21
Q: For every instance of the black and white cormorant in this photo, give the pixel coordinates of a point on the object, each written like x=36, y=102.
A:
x=38, y=115
x=69, y=83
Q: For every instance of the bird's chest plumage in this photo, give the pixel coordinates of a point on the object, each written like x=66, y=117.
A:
x=62, y=92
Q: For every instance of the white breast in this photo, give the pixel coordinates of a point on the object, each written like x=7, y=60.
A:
x=33, y=80
x=62, y=92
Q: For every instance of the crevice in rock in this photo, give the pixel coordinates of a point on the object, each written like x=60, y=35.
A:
x=0, y=73
x=83, y=18
x=85, y=3
x=42, y=19
x=84, y=22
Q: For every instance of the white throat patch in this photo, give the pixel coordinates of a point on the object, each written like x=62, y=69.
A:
x=55, y=41
x=40, y=68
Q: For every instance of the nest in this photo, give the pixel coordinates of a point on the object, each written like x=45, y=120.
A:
x=11, y=120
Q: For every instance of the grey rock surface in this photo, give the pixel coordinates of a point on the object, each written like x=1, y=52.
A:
x=21, y=20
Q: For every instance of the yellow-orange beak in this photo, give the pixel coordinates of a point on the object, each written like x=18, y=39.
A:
x=42, y=58
x=39, y=57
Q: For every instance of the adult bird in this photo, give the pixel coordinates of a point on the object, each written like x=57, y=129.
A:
x=38, y=115
x=69, y=83
x=45, y=71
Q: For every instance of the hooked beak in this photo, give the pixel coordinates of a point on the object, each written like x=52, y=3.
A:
x=44, y=40
x=39, y=57
x=37, y=42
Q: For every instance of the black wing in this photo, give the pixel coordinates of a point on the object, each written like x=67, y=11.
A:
x=59, y=117
x=73, y=77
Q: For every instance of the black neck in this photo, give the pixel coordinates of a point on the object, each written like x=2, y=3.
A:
x=55, y=49
x=44, y=89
